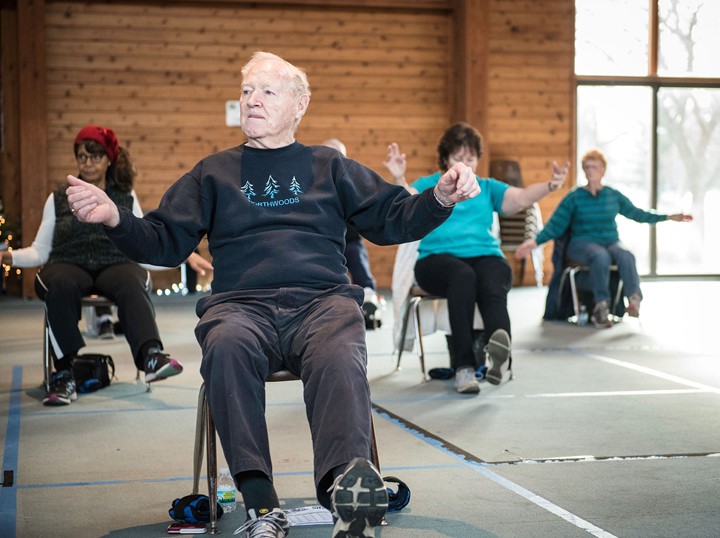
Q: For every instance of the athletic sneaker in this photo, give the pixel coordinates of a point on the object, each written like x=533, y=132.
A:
x=159, y=365
x=465, y=380
x=359, y=500
x=633, y=307
x=271, y=525
x=106, y=330
x=601, y=316
x=62, y=389
x=371, y=309
x=497, y=353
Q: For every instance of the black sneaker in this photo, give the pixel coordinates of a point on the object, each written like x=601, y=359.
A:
x=62, y=389
x=159, y=365
x=359, y=500
x=106, y=330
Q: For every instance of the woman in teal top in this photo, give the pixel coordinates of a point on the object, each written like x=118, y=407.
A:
x=588, y=213
x=464, y=250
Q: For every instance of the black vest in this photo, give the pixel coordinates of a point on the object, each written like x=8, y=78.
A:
x=83, y=244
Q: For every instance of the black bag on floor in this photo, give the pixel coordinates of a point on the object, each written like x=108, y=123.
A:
x=93, y=371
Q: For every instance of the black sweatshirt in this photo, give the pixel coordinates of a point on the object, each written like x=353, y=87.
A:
x=275, y=218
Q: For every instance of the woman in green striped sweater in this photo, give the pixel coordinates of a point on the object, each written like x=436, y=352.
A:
x=589, y=212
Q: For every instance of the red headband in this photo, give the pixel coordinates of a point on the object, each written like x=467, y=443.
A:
x=105, y=137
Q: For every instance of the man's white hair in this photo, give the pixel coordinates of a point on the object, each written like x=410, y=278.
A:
x=300, y=84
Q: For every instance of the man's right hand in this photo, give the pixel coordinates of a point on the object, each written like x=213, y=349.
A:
x=91, y=204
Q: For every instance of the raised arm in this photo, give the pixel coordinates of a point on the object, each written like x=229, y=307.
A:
x=517, y=199
x=91, y=204
x=396, y=164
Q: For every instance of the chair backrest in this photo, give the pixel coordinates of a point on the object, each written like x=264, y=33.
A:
x=507, y=171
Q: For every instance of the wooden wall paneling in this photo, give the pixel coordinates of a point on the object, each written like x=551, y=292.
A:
x=470, y=69
x=531, y=92
x=159, y=74
x=33, y=124
x=9, y=142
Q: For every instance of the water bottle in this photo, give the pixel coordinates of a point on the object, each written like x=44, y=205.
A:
x=582, y=316
x=226, y=490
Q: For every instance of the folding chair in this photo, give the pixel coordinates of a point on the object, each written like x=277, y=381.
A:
x=570, y=274
x=205, y=430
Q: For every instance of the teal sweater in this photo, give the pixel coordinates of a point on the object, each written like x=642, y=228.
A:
x=592, y=218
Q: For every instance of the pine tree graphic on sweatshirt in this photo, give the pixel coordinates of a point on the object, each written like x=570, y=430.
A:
x=271, y=187
x=248, y=190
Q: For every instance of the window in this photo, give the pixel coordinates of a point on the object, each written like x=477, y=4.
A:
x=648, y=97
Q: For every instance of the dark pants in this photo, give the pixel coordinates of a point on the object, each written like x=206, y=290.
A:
x=318, y=335
x=63, y=285
x=485, y=281
x=358, y=264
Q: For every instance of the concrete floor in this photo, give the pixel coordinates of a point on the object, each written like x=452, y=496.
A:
x=601, y=432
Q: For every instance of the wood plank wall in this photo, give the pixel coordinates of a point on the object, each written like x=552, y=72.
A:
x=531, y=93
x=160, y=76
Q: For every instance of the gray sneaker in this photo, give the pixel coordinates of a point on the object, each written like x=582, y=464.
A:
x=497, y=354
x=465, y=381
x=274, y=524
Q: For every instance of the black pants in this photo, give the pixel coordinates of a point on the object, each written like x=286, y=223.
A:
x=317, y=335
x=464, y=282
x=63, y=285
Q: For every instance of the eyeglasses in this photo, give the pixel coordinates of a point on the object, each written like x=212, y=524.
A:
x=82, y=158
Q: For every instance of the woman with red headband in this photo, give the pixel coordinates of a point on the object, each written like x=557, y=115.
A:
x=78, y=259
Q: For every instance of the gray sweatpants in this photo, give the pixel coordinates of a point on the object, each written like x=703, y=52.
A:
x=318, y=335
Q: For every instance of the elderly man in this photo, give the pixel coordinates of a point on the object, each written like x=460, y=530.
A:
x=274, y=212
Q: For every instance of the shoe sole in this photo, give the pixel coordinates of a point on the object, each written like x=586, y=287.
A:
x=55, y=400
x=499, y=352
x=360, y=500
x=469, y=389
x=172, y=368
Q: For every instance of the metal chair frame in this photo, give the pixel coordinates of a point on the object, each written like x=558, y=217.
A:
x=415, y=298
x=205, y=431
x=570, y=272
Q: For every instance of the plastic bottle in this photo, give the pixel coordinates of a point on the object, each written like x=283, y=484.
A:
x=226, y=490
x=583, y=316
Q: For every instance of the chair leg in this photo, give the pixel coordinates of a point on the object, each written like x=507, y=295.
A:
x=205, y=435
x=211, y=467
x=374, y=449
x=573, y=290
x=47, y=361
x=417, y=301
x=199, y=440
x=403, y=333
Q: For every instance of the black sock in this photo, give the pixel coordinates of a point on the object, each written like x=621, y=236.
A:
x=323, y=495
x=65, y=363
x=258, y=491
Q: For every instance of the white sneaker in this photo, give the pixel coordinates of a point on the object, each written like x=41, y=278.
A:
x=274, y=524
x=359, y=500
x=497, y=353
x=465, y=381
x=372, y=309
